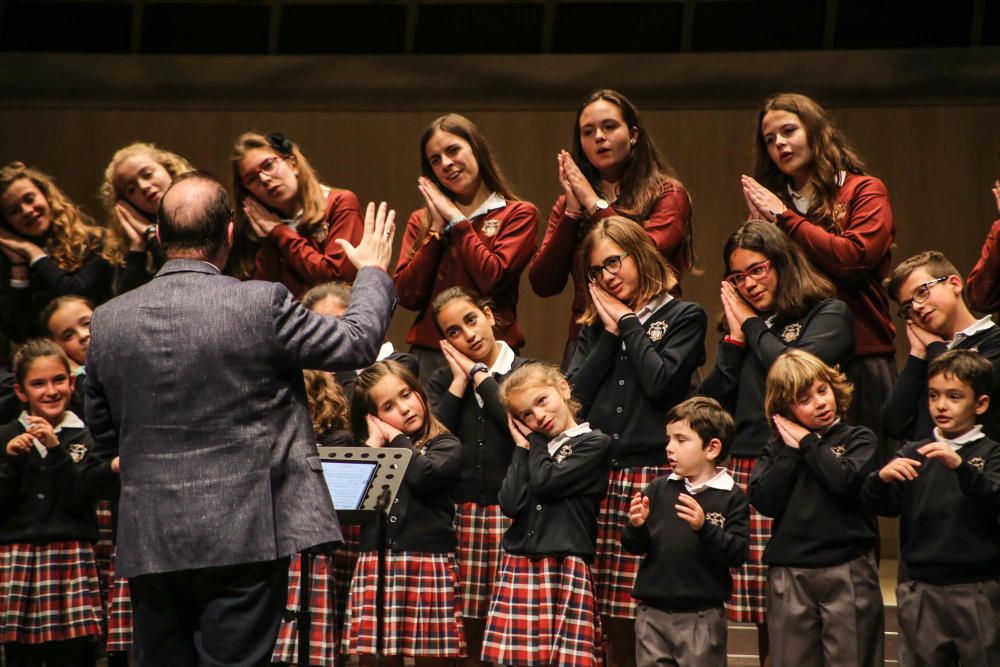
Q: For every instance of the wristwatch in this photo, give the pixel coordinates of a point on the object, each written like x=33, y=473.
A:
x=150, y=232
x=477, y=368
x=600, y=205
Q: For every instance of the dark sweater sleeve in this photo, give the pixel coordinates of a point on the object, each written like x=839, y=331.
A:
x=437, y=467
x=84, y=482
x=886, y=499
x=729, y=544
x=773, y=478
x=843, y=475
x=982, y=486
x=593, y=360
x=133, y=274
x=513, y=494
x=723, y=382
x=446, y=406
x=489, y=391
x=659, y=370
x=577, y=474
x=828, y=334
x=901, y=407
x=92, y=279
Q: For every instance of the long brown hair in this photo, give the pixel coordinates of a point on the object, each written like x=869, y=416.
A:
x=800, y=285
x=489, y=169
x=647, y=174
x=328, y=407
x=73, y=233
x=362, y=403
x=831, y=154
x=117, y=241
x=655, y=273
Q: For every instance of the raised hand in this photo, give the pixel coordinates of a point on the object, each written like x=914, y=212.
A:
x=572, y=203
x=436, y=200
x=942, y=452
x=375, y=248
x=582, y=189
x=899, y=470
x=42, y=430
x=20, y=444
x=262, y=220
x=689, y=509
x=376, y=436
x=18, y=249
x=789, y=432
x=133, y=224
x=609, y=308
x=638, y=510
x=768, y=204
x=518, y=432
x=996, y=193
x=437, y=222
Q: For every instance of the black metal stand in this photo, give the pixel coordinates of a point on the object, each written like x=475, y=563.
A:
x=305, y=613
x=381, y=530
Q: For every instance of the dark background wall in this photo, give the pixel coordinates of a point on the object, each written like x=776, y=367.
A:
x=924, y=119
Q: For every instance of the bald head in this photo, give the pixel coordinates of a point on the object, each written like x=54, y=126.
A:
x=194, y=216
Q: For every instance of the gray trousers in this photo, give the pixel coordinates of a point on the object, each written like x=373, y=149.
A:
x=826, y=616
x=958, y=624
x=694, y=639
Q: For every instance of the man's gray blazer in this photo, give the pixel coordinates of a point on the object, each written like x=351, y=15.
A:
x=195, y=380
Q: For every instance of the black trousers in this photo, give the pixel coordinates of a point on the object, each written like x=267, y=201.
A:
x=81, y=652
x=211, y=617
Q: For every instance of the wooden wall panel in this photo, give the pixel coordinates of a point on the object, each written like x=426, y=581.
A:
x=938, y=162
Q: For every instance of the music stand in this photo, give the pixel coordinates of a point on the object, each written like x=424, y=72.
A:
x=363, y=482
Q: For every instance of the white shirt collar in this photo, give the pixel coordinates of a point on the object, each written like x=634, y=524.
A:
x=69, y=420
x=973, y=434
x=652, y=306
x=802, y=202
x=501, y=366
x=976, y=327
x=558, y=441
x=493, y=202
x=722, y=481
x=294, y=221
x=385, y=351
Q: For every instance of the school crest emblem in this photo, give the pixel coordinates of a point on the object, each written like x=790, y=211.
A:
x=978, y=462
x=839, y=213
x=321, y=232
x=562, y=453
x=77, y=451
x=838, y=450
x=491, y=226
x=716, y=518
x=791, y=332
x=656, y=331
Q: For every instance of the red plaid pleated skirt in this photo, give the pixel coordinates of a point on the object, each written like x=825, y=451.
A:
x=479, y=529
x=324, y=629
x=614, y=569
x=119, y=613
x=749, y=601
x=49, y=592
x=422, y=618
x=543, y=613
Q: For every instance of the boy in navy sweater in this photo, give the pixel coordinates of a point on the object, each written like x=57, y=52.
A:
x=946, y=491
x=692, y=526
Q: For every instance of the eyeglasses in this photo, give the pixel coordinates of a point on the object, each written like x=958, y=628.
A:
x=612, y=265
x=921, y=294
x=268, y=166
x=757, y=272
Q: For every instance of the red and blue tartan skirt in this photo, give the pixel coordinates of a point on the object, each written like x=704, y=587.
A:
x=479, y=529
x=119, y=612
x=324, y=630
x=543, y=613
x=422, y=618
x=49, y=592
x=614, y=569
x=749, y=601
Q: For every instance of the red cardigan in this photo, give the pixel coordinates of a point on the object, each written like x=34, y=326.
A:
x=287, y=257
x=557, y=257
x=982, y=287
x=857, y=259
x=486, y=254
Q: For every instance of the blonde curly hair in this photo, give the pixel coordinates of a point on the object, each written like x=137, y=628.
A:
x=117, y=241
x=73, y=233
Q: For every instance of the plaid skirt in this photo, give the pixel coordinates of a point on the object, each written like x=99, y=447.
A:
x=49, y=592
x=324, y=630
x=421, y=606
x=104, y=546
x=543, y=613
x=479, y=529
x=614, y=569
x=749, y=601
x=119, y=613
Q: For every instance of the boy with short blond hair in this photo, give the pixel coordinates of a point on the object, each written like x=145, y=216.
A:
x=692, y=526
x=929, y=291
x=946, y=491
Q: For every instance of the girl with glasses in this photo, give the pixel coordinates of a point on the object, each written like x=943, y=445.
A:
x=810, y=182
x=135, y=180
x=636, y=353
x=472, y=232
x=773, y=300
x=295, y=219
x=614, y=169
